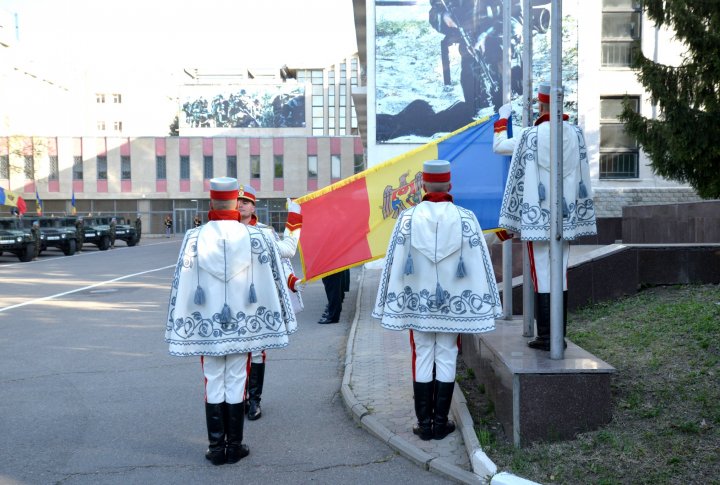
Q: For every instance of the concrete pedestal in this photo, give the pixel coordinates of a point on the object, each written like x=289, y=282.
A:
x=536, y=398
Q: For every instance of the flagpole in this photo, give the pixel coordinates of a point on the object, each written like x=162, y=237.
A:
x=528, y=293
x=556, y=195
x=507, y=249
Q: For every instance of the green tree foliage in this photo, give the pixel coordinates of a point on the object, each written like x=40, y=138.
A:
x=684, y=143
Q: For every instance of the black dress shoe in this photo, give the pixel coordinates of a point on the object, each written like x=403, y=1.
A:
x=328, y=320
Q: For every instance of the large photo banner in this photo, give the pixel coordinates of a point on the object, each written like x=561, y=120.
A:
x=439, y=62
x=243, y=106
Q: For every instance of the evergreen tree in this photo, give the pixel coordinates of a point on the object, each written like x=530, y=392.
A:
x=684, y=142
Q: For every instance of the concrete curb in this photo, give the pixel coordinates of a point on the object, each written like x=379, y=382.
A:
x=428, y=462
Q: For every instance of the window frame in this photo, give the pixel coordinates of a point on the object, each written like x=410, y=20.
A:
x=604, y=152
x=101, y=161
x=633, y=9
x=125, y=167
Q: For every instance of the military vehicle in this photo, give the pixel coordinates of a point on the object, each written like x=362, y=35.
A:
x=124, y=230
x=96, y=233
x=54, y=233
x=16, y=239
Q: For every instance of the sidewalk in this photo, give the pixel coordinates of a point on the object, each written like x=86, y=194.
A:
x=377, y=389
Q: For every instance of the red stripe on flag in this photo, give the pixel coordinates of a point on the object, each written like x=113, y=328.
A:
x=335, y=229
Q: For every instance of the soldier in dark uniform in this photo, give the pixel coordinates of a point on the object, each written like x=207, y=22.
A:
x=36, y=237
x=138, y=227
x=79, y=233
x=113, y=226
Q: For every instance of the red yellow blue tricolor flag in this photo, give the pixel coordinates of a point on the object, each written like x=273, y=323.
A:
x=350, y=222
x=38, y=204
x=11, y=199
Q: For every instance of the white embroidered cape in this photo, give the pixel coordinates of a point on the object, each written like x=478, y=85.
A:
x=224, y=258
x=437, y=235
x=522, y=209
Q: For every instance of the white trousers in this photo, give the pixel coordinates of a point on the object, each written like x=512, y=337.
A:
x=539, y=252
x=258, y=357
x=225, y=378
x=433, y=349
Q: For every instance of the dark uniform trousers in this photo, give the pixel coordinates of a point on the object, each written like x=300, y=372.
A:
x=335, y=287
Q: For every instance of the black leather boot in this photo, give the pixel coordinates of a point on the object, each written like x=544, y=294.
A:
x=442, y=426
x=423, y=392
x=234, y=420
x=214, y=417
x=542, y=319
x=255, y=387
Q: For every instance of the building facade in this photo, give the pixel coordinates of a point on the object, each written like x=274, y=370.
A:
x=104, y=146
x=605, y=31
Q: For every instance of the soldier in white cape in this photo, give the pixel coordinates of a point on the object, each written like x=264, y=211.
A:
x=525, y=207
x=438, y=282
x=286, y=248
x=228, y=299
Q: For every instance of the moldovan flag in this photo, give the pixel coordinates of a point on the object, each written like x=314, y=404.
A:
x=38, y=204
x=12, y=200
x=350, y=222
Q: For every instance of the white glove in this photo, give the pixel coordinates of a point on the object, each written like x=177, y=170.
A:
x=293, y=206
x=505, y=111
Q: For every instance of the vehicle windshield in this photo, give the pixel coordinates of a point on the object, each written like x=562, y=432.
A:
x=8, y=224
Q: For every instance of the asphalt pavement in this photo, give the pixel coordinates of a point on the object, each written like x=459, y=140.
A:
x=89, y=394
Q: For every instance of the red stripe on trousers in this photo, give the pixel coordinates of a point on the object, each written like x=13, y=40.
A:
x=247, y=374
x=533, y=274
x=412, y=349
x=202, y=366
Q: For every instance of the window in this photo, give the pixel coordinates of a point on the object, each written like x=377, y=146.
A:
x=359, y=163
x=312, y=166
x=4, y=166
x=102, y=168
x=254, y=166
x=101, y=126
x=619, y=151
x=278, y=166
x=125, y=168
x=620, y=27
x=231, y=169
x=29, y=167
x=54, y=168
x=117, y=98
x=207, y=166
x=335, y=166
x=99, y=98
x=77, y=168
x=160, y=167
x=184, y=167
x=117, y=125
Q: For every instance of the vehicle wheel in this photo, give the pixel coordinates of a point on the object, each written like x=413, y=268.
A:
x=28, y=254
x=131, y=242
x=70, y=248
x=104, y=243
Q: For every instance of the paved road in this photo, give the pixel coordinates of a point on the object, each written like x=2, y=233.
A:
x=88, y=393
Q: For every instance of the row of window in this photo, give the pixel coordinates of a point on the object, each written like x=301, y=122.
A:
x=619, y=156
x=100, y=98
x=231, y=166
x=117, y=125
